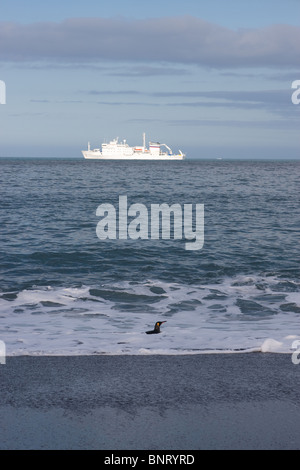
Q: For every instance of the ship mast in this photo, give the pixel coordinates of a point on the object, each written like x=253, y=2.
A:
x=144, y=141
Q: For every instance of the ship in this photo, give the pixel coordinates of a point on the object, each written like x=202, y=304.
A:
x=115, y=150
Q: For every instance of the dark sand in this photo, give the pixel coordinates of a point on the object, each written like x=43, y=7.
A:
x=234, y=401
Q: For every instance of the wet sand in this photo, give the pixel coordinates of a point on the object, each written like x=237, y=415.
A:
x=218, y=401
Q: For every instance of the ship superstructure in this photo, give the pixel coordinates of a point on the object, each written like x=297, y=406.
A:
x=115, y=150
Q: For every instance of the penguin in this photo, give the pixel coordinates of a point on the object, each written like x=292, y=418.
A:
x=156, y=328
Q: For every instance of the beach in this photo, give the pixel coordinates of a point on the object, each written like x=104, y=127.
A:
x=155, y=402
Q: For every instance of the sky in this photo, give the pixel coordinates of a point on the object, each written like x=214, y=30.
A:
x=212, y=78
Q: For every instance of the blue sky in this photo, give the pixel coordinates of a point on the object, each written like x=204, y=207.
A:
x=231, y=13
x=212, y=78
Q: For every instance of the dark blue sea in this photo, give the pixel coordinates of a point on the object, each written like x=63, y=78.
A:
x=64, y=291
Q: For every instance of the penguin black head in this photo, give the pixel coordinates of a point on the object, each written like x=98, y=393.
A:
x=156, y=328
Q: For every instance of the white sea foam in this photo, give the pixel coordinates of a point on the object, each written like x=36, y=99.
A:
x=240, y=314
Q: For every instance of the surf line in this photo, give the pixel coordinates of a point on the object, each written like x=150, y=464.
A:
x=163, y=222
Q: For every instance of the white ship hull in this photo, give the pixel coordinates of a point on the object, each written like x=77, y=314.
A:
x=122, y=151
x=142, y=156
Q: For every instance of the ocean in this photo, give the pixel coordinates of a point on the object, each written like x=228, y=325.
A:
x=63, y=291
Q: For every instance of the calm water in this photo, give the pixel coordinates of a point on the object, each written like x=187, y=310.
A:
x=64, y=291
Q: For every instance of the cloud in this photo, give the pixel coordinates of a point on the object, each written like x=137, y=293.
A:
x=270, y=100
x=113, y=92
x=257, y=124
x=276, y=102
x=250, y=96
x=148, y=71
x=184, y=39
x=54, y=101
x=124, y=70
x=237, y=95
x=278, y=76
